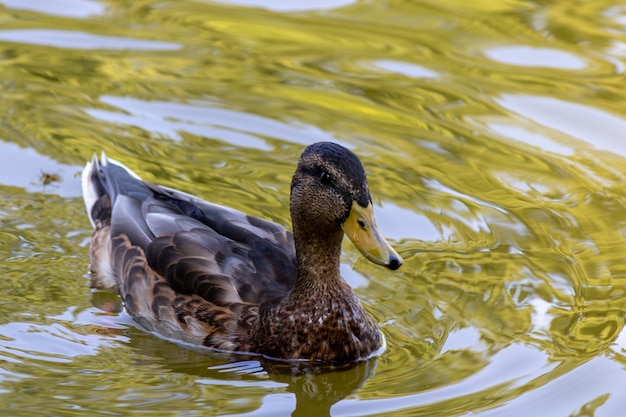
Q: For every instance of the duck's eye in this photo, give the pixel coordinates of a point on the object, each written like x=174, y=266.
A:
x=325, y=178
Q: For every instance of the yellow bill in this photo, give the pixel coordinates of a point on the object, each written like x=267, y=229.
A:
x=363, y=232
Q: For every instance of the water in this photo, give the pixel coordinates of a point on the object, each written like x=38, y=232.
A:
x=492, y=133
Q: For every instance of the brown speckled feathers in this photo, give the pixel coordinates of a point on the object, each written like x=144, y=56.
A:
x=209, y=275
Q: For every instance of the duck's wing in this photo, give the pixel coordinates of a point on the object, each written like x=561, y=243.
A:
x=216, y=252
x=168, y=248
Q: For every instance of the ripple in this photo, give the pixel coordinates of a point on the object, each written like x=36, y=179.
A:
x=291, y=6
x=81, y=40
x=462, y=339
x=617, y=14
x=527, y=56
x=24, y=167
x=597, y=127
x=513, y=367
x=396, y=223
x=404, y=68
x=585, y=383
x=67, y=8
x=204, y=119
x=537, y=139
x=51, y=343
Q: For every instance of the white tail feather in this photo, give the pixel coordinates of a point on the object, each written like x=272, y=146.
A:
x=90, y=192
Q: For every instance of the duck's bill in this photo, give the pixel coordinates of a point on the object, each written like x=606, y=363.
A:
x=363, y=232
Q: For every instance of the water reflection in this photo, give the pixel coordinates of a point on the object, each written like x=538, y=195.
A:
x=295, y=389
x=491, y=132
x=24, y=167
x=596, y=127
x=207, y=120
x=290, y=6
x=510, y=369
x=69, y=8
x=81, y=40
x=536, y=57
x=404, y=68
x=527, y=135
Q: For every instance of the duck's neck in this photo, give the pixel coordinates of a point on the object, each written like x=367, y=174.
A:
x=317, y=266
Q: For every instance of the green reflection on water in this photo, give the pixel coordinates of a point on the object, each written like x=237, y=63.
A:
x=524, y=262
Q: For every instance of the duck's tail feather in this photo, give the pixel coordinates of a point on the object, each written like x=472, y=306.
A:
x=103, y=182
x=110, y=177
x=91, y=191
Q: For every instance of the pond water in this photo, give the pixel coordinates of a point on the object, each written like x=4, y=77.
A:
x=494, y=138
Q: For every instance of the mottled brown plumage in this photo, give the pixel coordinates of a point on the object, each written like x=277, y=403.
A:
x=209, y=275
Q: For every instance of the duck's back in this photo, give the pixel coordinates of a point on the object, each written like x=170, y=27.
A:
x=186, y=268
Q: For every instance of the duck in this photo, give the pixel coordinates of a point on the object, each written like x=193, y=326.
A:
x=203, y=274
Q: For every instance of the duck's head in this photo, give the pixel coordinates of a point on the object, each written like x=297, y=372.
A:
x=329, y=193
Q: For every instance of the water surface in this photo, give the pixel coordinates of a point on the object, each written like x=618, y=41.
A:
x=493, y=137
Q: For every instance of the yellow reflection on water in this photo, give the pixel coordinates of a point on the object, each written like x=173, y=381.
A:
x=491, y=134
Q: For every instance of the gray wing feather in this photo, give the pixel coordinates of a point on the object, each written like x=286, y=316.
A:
x=205, y=249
